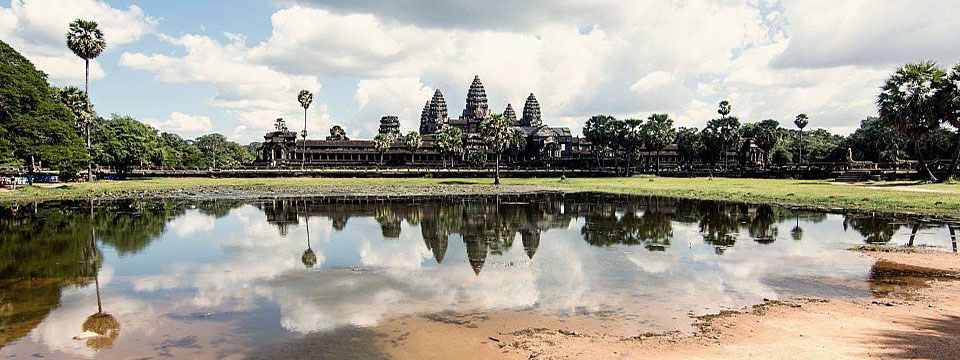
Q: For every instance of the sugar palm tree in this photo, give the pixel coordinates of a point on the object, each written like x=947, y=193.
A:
x=497, y=134
x=658, y=132
x=76, y=100
x=907, y=103
x=382, y=143
x=305, y=98
x=86, y=41
x=949, y=100
x=801, y=122
x=413, y=141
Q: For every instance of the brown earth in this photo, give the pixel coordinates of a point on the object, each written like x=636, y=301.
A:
x=915, y=315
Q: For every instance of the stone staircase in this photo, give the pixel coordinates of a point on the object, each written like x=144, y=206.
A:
x=852, y=176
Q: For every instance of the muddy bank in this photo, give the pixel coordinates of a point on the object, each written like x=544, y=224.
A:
x=915, y=313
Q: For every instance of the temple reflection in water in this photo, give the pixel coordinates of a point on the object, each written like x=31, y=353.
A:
x=57, y=250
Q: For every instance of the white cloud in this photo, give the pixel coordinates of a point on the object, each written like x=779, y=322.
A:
x=256, y=93
x=37, y=29
x=389, y=96
x=183, y=123
x=652, y=81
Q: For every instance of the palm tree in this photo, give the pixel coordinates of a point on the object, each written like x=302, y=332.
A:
x=382, y=143
x=658, y=132
x=413, y=141
x=801, y=122
x=86, y=41
x=305, y=98
x=767, y=137
x=309, y=258
x=907, y=103
x=280, y=124
x=723, y=108
x=497, y=134
x=450, y=142
x=76, y=100
x=950, y=110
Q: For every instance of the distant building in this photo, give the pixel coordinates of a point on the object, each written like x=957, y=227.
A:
x=545, y=144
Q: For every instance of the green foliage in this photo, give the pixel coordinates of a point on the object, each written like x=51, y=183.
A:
x=721, y=135
x=450, y=141
x=35, y=127
x=85, y=39
x=497, y=134
x=123, y=142
x=767, y=135
x=658, y=132
x=476, y=157
x=689, y=144
x=872, y=139
x=597, y=131
x=413, y=140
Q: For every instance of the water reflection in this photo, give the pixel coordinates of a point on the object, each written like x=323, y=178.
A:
x=156, y=263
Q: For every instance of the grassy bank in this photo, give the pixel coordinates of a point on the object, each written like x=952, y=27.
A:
x=935, y=199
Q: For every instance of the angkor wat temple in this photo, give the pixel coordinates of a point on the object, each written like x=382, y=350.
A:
x=545, y=144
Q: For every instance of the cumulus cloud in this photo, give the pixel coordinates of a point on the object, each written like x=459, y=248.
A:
x=256, y=93
x=183, y=123
x=37, y=29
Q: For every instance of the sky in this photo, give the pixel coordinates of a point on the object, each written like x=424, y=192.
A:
x=195, y=67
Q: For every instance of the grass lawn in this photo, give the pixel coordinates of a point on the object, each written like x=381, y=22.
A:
x=937, y=199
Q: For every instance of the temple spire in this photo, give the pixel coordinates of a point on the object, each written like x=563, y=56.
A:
x=438, y=110
x=531, y=112
x=426, y=125
x=477, y=108
x=510, y=114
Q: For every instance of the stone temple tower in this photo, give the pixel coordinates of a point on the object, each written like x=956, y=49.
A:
x=390, y=125
x=510, y=114
x=477, y=109
x=531, y=112
x=437, y=114
x=427, y=125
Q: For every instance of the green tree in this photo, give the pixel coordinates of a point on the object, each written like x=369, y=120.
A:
x=872, y=139
x=413, y=141
x=305, y=98
x=35, y=128
x=382, y=143
x=767, y=137
x=498, y=136
x=689, y=144
x=450, y=142
x=658, y=133
x=720, y=135
x=122, y=143
x=280, y=124
x=949, y=103
x=596, y=130
x=85, y=39
x=801, y=121
x=908, y=103
x=213, y=145
x=632, y=140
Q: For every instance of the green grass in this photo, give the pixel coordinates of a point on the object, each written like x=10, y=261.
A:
x=934, y=199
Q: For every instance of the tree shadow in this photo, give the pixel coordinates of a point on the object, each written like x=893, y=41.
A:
x=457, y=182
x=931, y=338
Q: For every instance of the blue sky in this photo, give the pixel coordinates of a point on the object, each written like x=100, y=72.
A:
x=234, y=66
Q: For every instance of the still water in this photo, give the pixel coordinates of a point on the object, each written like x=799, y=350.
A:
x=230, y=278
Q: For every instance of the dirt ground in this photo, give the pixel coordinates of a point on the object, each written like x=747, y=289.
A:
x=915, y=315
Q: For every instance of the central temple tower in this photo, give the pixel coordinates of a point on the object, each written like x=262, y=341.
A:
x=477, y=108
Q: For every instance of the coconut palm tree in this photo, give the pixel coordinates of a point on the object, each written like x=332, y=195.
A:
x=305, y=98
x=658, y=132
x=86, y=41
x=413, y=141
x=907, y=103
x=801, y=122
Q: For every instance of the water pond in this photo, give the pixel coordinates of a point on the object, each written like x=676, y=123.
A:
x=285, y=277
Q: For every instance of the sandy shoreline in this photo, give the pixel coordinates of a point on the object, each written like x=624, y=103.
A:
x=917, y=317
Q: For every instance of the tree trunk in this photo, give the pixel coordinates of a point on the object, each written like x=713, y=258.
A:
x=913, y=234
x=800, y=160
x=658, y=162
x=952, y=170
x=86, y=89
x=496, y=178
x=923, y=164
x=33, y=167
x=303, y=155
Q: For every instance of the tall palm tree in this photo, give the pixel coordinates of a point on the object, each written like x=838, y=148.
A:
x=658, y=133
x=498, y=135
x=801, y=122
x=305, y=98
x=413, y=141
x=723, y=108
x=382, y=143
x=950, y=110
x=86, y=41
x=907, y=103
x=76, y=100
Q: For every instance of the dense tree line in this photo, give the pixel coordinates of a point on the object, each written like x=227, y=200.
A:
x=42, y=126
